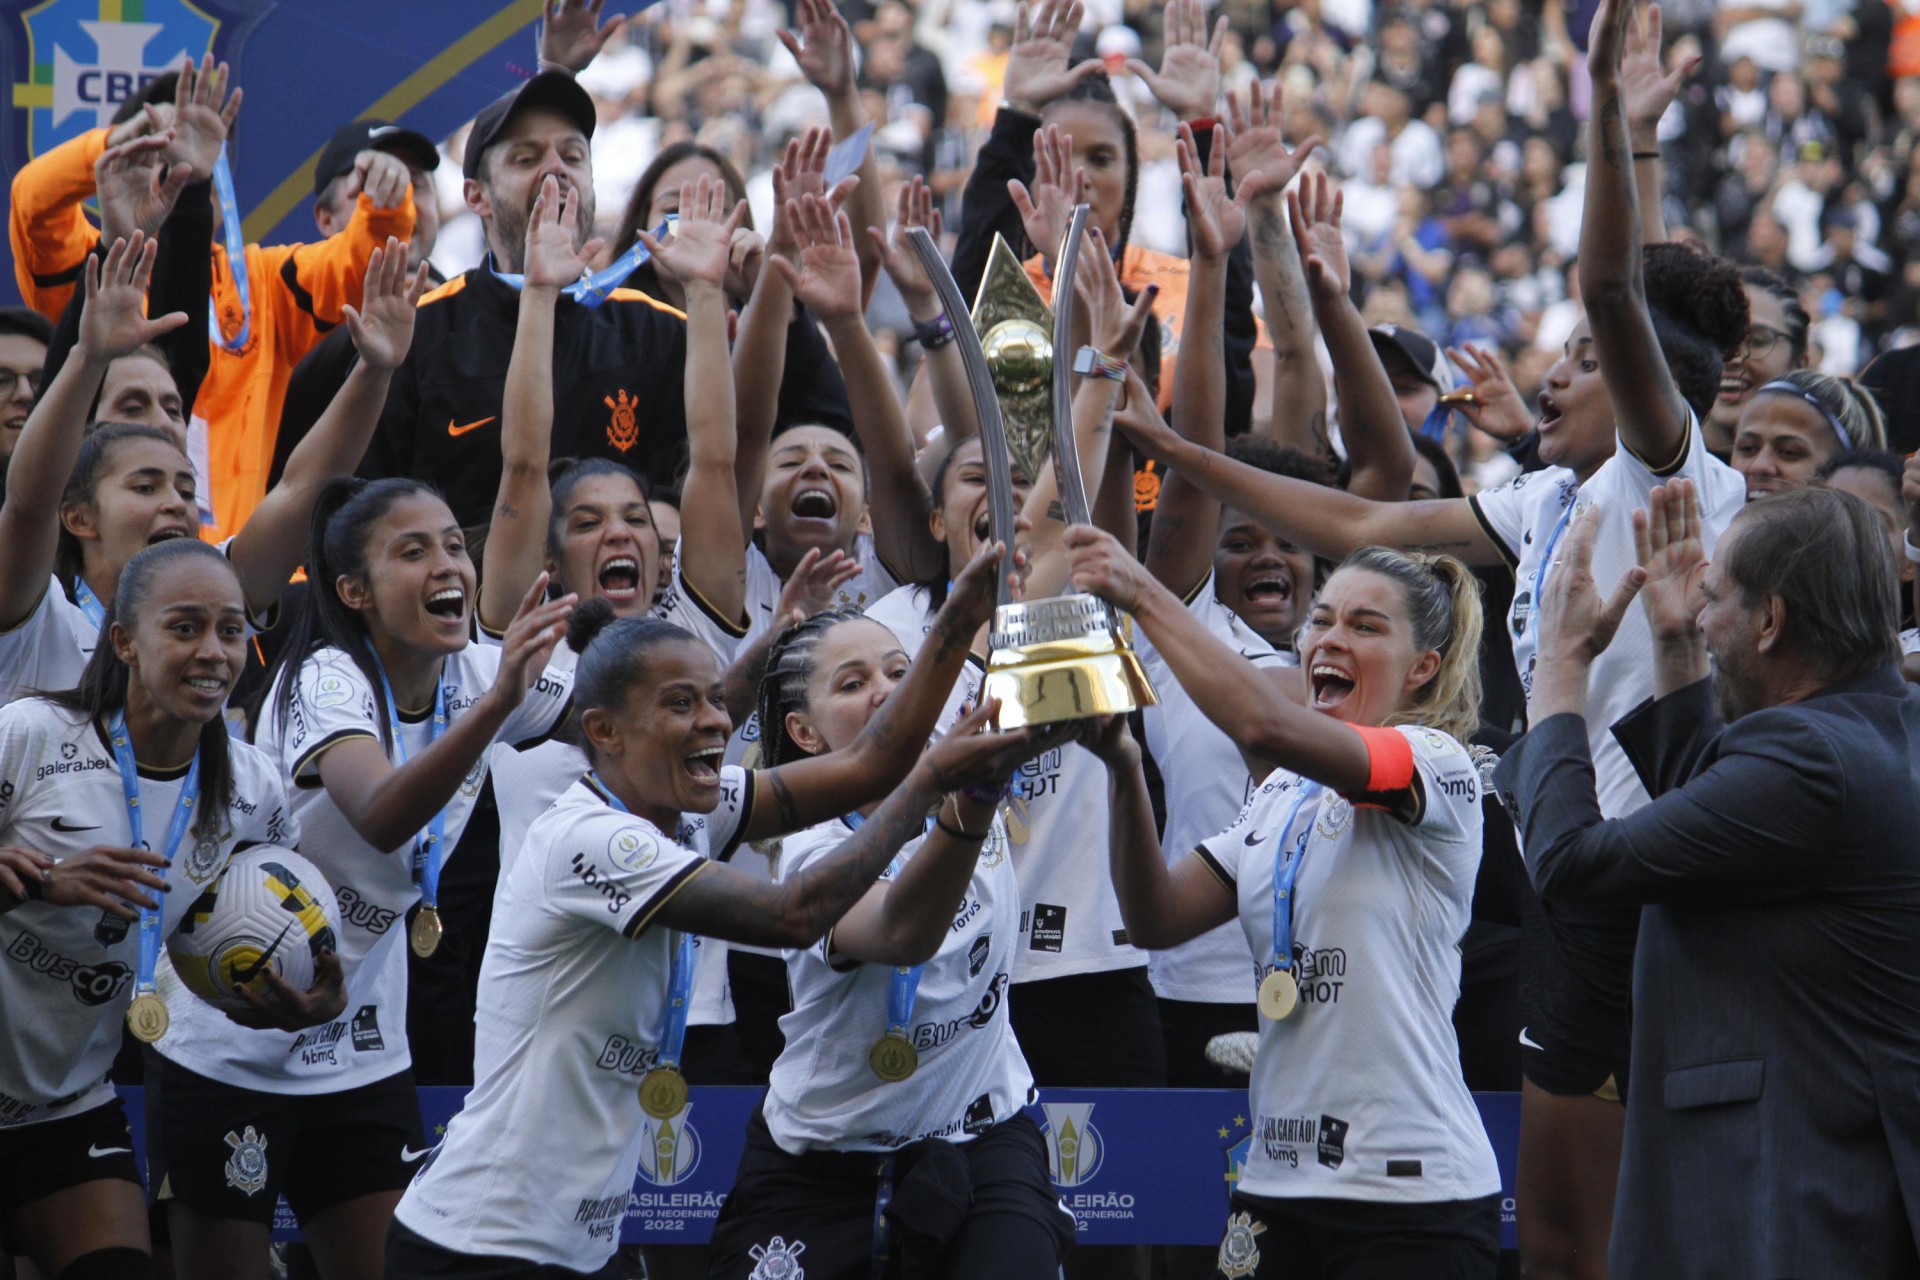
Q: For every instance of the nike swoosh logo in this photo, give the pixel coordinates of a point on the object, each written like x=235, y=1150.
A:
x=241, y=977
x=97, y=1151
x=1528, y=1041
x=408, y=1155
x=60, y=824
x=454, y=430
x=1255, y=840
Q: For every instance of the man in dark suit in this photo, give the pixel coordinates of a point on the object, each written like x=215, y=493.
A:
x=1773, y=1117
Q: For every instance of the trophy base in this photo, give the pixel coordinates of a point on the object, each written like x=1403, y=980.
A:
x=1072, y=664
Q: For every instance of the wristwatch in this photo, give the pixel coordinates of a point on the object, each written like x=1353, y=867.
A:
x=1092, y=362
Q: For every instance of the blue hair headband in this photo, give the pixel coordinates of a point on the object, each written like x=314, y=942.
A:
x=1793, y=389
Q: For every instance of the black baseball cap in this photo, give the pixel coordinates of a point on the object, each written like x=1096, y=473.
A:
x=554, y=89
x=349, y=140
x=1423, y=352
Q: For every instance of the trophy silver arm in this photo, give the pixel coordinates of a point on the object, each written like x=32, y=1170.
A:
x=986, y=405
x=1066, y=451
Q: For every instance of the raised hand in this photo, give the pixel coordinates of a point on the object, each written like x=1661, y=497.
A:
x=1607, y=38
x=552, y=260
x=1647, y=87
x=745, y=252
x=203, y=114
x=110, y=877
x=1576, y=625
x=802, y=171
x=914, y=209
x=1037, y=71
x=1315, y=211
x=538, y=625
x=1257, y=153
x=1497, y=407
x=1215, y=220
x=113, y=322
x=137, y=187
x=382, y=325
x=1113, y=325
x=814, y=586
x=826, y=279
x=1672, y=557
x=823, y=46
x=1188, y=82
x=701, y=247
x=1058, y=185
x=572, y=34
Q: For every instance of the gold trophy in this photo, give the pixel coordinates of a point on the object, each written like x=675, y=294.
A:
x=1066, y=657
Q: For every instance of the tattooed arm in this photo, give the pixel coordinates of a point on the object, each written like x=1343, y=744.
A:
x=1651, y=416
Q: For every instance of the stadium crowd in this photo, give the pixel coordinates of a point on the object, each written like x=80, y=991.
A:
x=558, y=631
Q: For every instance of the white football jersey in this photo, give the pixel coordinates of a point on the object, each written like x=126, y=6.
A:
x=1207, y=784
x=66, y=995
x=1524, y=515
x=527, y=783
x=334, y=702
x=971, y=1074
x=1057, y=821
x=540, y=1163
x=1358, y=1095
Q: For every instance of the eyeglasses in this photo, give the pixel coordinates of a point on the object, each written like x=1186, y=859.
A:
x=10, y=381
x=1759, y=343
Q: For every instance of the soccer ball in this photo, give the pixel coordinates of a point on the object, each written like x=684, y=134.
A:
x=270, y=911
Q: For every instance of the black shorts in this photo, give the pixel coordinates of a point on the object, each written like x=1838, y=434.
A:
x=411, y=1256
x=1091, y=1030
x=1186, y=1027
x=1576, y=971
x=37, y=1160
x=229, y=1152
x=979, y=1208
x=1320, y=1239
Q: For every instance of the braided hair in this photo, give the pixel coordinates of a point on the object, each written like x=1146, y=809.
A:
x=1098, y=90
x=790, y=665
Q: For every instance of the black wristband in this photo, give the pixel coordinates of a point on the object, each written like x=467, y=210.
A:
x=1646, y=155
x=934, y=334
x=958, y=833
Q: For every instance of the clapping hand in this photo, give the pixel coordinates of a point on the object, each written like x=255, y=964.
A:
x=1576, y=625
x=382, y=325
x=1188, y=82
x=1672, y=559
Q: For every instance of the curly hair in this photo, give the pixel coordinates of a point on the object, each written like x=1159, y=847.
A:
x=1699, y=310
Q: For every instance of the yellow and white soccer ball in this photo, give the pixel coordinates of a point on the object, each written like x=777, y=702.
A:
x=270, y=911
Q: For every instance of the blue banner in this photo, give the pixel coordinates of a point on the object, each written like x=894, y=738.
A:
x=1136, y=1166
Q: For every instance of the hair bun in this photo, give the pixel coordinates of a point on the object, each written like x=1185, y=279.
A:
x=589, y=618
x=1697, y=290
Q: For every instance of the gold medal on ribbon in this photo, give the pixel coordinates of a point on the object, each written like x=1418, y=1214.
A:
x=1279, y=995
x=893, y=1057
x=663, y=1093
x=426, y=932
x=147, y=1017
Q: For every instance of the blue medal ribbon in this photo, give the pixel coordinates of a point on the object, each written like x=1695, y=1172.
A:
x=673, y=1026
x=429, y=847
x=1285, y=872
x=231, y=231
x=1546, y=562
x=904, y=984
x=112, y=928
x=592, y=290
x=89, y=603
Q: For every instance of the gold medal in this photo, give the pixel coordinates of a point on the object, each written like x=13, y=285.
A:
x=1279, y=995
x=663, y=1093
x=147, y=1017
x=426, y=931
x=893, y=1057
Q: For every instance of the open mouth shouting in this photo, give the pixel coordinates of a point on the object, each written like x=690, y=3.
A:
x=1270, y=589
x=703, y=766
x=1329, y=685
x=619, y=579
x=1550, y=413
x=815, y=504
x=449, y=605
x=168, y=532
x=1733, y=387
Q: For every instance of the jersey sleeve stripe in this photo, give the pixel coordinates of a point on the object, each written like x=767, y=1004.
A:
x=750, y=788
x=560, y=718
x=290, y=276
x=1493, y=536
x=1212, y=864
x=326, y=744
x=1679, y=459
x=642, y=917
x=737, y=630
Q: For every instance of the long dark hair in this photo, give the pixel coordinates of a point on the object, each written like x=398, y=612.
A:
x=104, y=683
x=343, y=518
x=1098, y=90
x=565, y=475
x=789, y=668
x=646, y=278
x=83, y=483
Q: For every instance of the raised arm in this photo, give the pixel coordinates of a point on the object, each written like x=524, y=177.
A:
x=945, y=376
x=822, y=787
x=1648, y=87
x=713, y=559
x=112, y=325
x=1262, y=166
x=1650, y=415
x=824, y=48
x=827, y=280
x=1255, y=712
x=516, y=550
x=1378, y=442
x=272, y=543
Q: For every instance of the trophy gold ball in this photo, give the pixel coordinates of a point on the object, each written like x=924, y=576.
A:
x=1021, y=356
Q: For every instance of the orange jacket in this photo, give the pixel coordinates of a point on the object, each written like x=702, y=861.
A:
x=297, y=293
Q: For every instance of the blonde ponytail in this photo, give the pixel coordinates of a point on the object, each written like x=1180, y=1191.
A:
x=1443, y=607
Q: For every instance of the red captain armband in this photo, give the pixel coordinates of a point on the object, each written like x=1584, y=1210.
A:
x=1389, y=764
